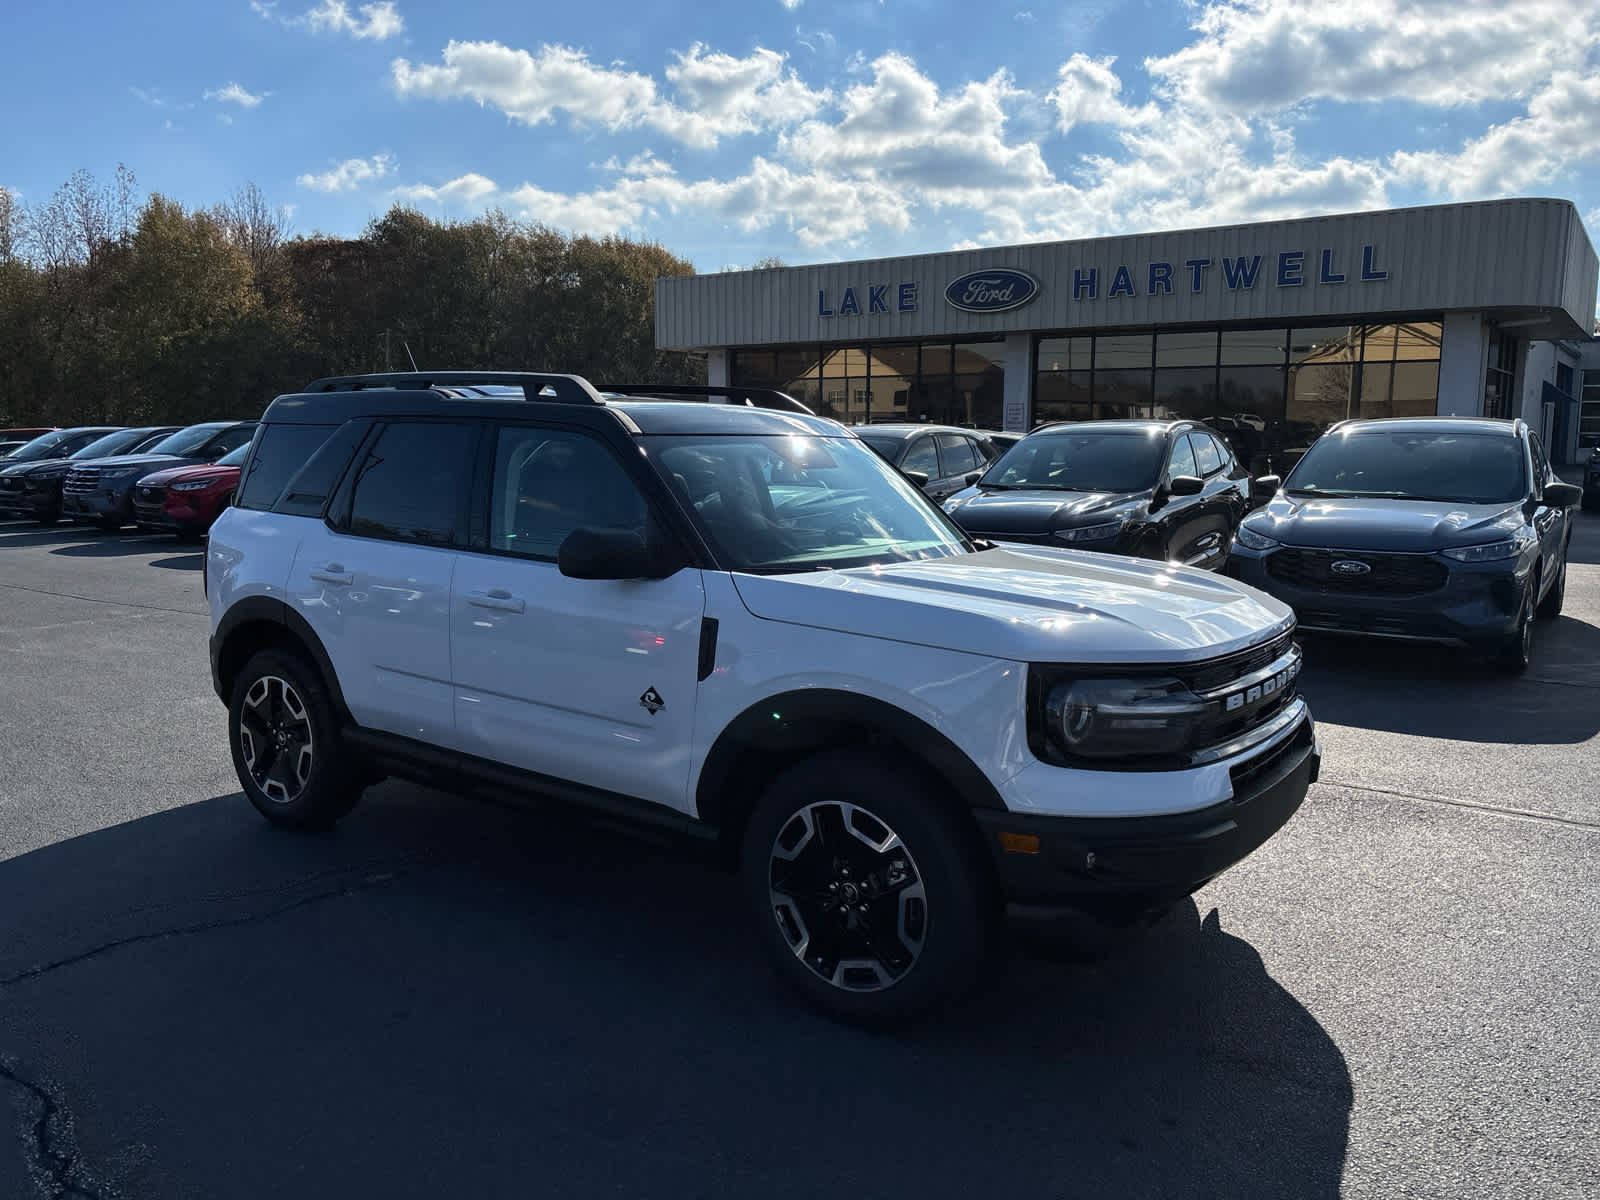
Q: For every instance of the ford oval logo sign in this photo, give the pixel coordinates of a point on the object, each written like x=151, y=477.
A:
x=1349, y=566
x=999, y=290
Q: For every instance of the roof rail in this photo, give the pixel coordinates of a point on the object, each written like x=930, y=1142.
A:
x=565, y=389
x=749, y=397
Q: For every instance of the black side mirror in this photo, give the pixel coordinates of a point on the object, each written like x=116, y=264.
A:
x=973, y=478
x=589, y=553
x=1562, y=495
x=1186, y=485
x=920, y=478
x=1264, y=487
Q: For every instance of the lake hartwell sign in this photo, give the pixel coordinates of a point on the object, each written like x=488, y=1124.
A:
x=1003, y=289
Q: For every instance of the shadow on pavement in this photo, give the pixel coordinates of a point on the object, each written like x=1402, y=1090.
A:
x=113, y=545
x=29, y=533
x=181, y=562
x=1440, y=692
x=446, y=998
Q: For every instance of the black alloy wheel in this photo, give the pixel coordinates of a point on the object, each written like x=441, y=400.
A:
x=868, y=887
x=284, y=734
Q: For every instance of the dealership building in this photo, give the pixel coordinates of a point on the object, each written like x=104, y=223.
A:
x=1269, y=331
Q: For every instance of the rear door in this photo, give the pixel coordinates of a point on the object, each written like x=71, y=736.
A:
x=374, y=578
x=593, y=681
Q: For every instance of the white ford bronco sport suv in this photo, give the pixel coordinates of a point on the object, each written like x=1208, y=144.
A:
x=739, y=622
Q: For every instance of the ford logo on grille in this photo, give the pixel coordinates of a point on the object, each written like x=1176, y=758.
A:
x=998, y=290
x=1349, y=566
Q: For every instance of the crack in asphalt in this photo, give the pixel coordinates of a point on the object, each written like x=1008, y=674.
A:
x=1498, y=809
x=182, y=612
x=157, y=935
x=52, y=1153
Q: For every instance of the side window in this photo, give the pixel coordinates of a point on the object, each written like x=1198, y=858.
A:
x=311, y=484
x=1541, y=465
x=1206, y=454
x=922, y=457
x=548, y=482
x=280, y=451
x=411, y=483
x=957, y=455
x=230, y=439
x=1182, y=460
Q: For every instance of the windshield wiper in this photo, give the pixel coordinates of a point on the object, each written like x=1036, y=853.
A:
x=1320, y=492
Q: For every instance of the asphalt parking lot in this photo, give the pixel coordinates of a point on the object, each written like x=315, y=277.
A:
x=1395, y=997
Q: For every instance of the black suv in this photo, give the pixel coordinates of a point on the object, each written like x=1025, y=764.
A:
x=33, y=489
x=1443, y=529
x=942, y=459
x=101, y=490
x=1169, y=490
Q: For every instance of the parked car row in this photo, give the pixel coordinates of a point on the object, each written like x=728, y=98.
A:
x=1446, y=530
x=160, y=477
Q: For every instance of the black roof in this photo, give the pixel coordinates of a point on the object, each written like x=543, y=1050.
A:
x=568, y=398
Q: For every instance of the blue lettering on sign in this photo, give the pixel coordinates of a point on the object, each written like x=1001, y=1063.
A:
x=999, y=289
x=875, y=301
x=1368, y=271
x=1197, y=268
x=822, y=303
x=1083, y=285
x=906, y=297
x=1327, y=275
x=848, y=306
x=1122, y=283
x=1160, y=277
x=1290, y=265
x=1236, y=271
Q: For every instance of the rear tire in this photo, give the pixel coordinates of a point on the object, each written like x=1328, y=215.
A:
x=283, y=731
x=869, y=892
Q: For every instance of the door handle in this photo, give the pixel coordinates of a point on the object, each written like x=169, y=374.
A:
x=332, y=573
x=496, y=598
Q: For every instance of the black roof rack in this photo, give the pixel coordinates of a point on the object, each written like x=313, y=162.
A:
x=562, y=389
x=749, y=397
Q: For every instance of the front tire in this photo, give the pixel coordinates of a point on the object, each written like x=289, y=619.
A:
x=284, y=734
x=869, y=892
x=1515, y=650
x=1550, y=606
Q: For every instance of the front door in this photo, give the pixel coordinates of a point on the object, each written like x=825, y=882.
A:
x=592, y=681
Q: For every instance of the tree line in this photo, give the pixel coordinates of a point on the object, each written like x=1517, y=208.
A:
x=129, y=311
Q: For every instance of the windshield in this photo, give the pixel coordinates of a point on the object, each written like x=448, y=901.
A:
x=1099, y=460
x=44, y=446
x=1456, y=468
x=112, y=443
x=186, y=441
x=780, y=503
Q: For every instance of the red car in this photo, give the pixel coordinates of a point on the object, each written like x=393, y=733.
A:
x=185, y=500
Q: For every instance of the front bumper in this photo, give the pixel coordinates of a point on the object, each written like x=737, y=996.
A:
x=100, y=503
x=1478, y=602
x=1120, y=870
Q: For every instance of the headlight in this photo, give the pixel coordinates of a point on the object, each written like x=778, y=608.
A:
x=1251, y=540
x=1090, y=533
x=1492, y=551
x=1120, y=718
x=194, y=485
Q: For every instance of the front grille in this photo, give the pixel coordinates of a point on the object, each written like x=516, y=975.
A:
x=1219, y=672
x=1386, y=574
x=150, y=497
x=1251, y=770
x=81, y=481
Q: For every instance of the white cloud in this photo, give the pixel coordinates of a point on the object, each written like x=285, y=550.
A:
x=1025, y=18
x=465, y=189
x=1087, y=93
x=235, y=94
x=791, y=5
x=376, y=22
x=349, y=175
x=1256, y=56
x=718, y=95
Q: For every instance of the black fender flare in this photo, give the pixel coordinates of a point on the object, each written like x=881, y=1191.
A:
x=256, y=622
x=783, y=727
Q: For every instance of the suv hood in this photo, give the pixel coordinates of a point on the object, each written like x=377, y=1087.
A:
x=1419, y=526
x=1030, y=605
x=177, y=474
x=28, y=468
x=153, y=461
x=1030, y=510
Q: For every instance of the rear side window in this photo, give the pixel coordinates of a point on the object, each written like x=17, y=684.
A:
x=411, y=484
x=957, y=454
x=308, y=488
x=280, y=451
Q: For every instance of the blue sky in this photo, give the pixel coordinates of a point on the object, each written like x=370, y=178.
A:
x=731, y=130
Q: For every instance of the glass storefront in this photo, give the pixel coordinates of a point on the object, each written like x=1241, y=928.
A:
x=943, y=383
x=1271, y=390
